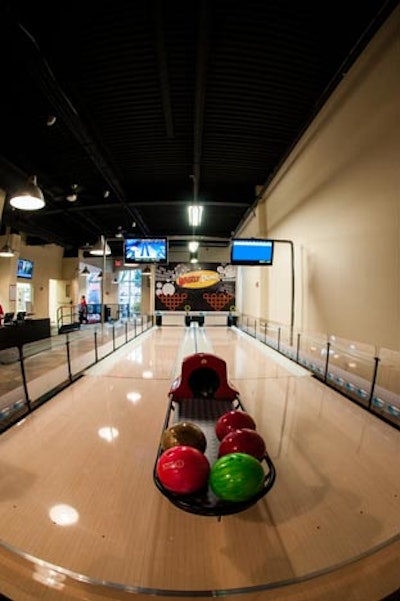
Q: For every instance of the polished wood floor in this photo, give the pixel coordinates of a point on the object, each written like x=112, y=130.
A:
x=77, y=491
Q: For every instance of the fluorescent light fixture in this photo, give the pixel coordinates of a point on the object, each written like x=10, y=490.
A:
x=193, y=246
x=29, y=197
x=195, y=215
x=99, y=248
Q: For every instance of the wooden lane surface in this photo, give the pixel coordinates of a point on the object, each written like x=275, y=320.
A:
x=373, y=577
x=336, y=494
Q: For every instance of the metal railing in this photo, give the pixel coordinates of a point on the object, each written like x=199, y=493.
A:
x=32, y=373
x=363, y=373
x=68, y=315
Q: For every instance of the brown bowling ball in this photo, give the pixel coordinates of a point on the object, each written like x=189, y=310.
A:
x=184, y=433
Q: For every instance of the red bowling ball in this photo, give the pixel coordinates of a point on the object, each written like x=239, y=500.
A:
x=233, y=420
x=183, y=470
x=243, y=441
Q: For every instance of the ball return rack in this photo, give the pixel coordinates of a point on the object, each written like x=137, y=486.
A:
x=201, y=394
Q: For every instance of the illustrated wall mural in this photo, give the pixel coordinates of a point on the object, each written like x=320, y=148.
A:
x=203, y=287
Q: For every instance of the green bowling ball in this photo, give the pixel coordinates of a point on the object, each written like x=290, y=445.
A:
x=236, y=477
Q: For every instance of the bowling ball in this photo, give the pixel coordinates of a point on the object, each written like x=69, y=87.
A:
x=233, y=420
x=184, y=434
x=183, y=470
x=236, y=477
x=243, y=441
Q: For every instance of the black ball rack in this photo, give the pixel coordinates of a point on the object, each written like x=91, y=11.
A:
x=205, y=376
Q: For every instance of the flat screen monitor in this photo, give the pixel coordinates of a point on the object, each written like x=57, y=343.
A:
x=145, y=250
x=252, y=251
x=25, y=269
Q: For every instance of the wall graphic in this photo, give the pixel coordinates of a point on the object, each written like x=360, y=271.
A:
x=201, y=287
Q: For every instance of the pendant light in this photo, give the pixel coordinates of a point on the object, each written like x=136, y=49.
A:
x=6, y=250
x=101, y=248
x=29, y=197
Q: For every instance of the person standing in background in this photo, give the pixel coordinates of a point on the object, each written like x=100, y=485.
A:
x=1, y=314
x=83, y=309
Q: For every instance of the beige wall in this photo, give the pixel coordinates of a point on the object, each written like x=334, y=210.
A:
x=47, y=265
x=338, y=198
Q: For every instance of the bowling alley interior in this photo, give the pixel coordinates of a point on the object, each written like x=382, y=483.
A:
x=199, y=301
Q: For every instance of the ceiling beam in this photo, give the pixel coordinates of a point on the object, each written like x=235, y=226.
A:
x=200, y=93
x=144, y=204
x=163, y=72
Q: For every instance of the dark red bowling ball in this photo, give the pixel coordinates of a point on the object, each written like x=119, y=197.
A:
x=183, y=470
x=233, y=420
x=243, y=441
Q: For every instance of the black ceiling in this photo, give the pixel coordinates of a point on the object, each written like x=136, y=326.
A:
x=160, y=102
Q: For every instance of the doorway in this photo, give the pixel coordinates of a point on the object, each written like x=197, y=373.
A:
x=24, y=297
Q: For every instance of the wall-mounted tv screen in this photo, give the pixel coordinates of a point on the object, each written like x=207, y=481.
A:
x=252, y=251
x=25, y=269
x=145, y=250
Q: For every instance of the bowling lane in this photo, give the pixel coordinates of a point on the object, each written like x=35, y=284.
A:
x=92, y=449
x=247, y=358
x=161, y=359
x=154, y=357
x=335, y=462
